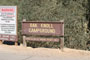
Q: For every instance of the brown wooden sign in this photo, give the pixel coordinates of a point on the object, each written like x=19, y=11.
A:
x=43, y=28
x=8, y=37
x=42, y=39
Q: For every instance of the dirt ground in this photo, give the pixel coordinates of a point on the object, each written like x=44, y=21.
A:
x=8, y=52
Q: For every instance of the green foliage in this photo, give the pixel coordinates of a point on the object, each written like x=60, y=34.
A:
x=73, y=12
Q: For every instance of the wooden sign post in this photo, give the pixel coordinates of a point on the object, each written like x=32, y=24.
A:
x=0, y=41
x=8, y=23
x=43, y=29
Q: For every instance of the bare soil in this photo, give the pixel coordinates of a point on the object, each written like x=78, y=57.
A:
x=8, y=52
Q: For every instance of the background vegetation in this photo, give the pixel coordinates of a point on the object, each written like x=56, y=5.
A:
x=75, y=13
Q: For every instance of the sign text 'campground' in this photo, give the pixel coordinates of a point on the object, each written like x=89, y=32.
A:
x=43, y=28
